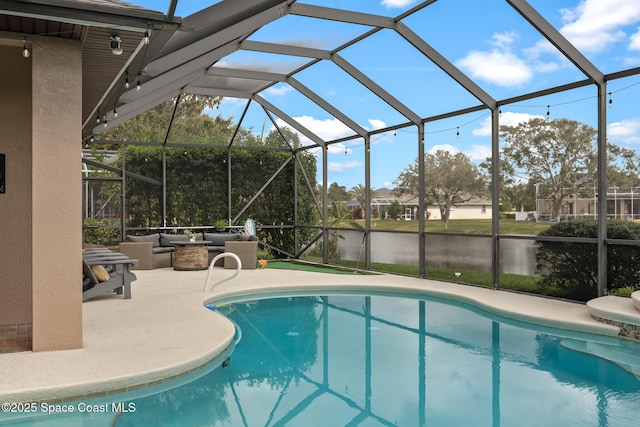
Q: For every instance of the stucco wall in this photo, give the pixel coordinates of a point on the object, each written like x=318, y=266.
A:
x=40, y=213
x=15, y=204
x=57, y=198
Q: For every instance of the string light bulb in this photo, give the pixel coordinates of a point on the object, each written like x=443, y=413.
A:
x=115, y=114
x=610, y=100
x=98, y=118
x=138, y=85
x=146, y=39
x=126, y=80
x=25, y=50
x=548, y=111
x=458, y=132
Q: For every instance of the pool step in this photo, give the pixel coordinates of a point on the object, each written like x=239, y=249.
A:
x=635, y=297
x=623, y=312
x=622, y=354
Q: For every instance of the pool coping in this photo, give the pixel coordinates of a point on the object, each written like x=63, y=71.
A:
x=116, y=358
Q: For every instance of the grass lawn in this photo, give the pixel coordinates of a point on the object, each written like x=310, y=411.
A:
x=478, y=226
x=514, y=282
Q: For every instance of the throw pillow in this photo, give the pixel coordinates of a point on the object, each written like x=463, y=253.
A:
x=100, y=272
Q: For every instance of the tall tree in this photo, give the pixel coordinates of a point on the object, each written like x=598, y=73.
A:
x=191, y=123
x=556, y=152
x=360, y=194
x=337, y=193
x=449, y=179
x=339, y=216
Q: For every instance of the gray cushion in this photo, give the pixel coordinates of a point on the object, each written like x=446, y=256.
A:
x=153, y=238
x=162, y=249
x=218, y=239
x=168, y=239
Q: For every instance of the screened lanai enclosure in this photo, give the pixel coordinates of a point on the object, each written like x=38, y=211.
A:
x=486, y=142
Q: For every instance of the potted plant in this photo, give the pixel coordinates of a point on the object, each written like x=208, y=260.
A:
x=221, y=225
x=191, y=234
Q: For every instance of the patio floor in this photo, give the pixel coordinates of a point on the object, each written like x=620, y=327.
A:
x=15, y=338
x=165, y=331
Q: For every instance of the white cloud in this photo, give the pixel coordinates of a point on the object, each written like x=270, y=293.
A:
x=503, y=40
x=474, y=152
x=478, y=152
x=327, y=130
x=500, y=68
x=625, y=131
x=594, y=25
x=444, y=147
x=278, y=90
x=546, y=67
x=396, y=3
x=233, y=102
x=342, y=166
x=376, y=124
x=634, y=43
x=507, y=118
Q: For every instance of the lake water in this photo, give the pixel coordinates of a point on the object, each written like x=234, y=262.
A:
x=447, y=251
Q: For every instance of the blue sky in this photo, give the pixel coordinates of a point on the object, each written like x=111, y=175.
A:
x=486, y=39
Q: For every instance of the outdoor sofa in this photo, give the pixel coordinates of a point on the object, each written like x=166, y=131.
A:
x=156, y=250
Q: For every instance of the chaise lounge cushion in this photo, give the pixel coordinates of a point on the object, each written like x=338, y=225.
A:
x=153, y=238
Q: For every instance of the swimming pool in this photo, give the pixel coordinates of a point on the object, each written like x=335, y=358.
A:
x=383, y=360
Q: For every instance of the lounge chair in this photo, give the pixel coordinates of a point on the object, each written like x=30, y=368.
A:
x=113, y=274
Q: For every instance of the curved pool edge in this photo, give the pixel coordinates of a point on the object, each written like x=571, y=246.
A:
x=155, y=377
x=576, y=319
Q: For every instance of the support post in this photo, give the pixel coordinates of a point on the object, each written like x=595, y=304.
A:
x=421, y=205
x=495, y=197
x=367, y=202
x=325, y=208
x=123, y=195
x=602, y=189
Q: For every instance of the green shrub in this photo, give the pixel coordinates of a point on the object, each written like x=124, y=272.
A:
x=573, y=267
x=96, y=232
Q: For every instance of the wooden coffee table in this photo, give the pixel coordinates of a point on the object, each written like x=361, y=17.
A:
x=191, y=255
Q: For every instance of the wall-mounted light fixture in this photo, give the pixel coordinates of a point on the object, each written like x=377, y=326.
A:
x=116, y=45
x=25, y=50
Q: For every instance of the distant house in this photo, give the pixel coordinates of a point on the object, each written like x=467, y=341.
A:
x=476, y=208
x=622, y=203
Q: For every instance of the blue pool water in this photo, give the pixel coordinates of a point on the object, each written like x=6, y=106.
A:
x=348, y=360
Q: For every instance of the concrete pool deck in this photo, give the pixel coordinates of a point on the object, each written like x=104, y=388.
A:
x=164, y=330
